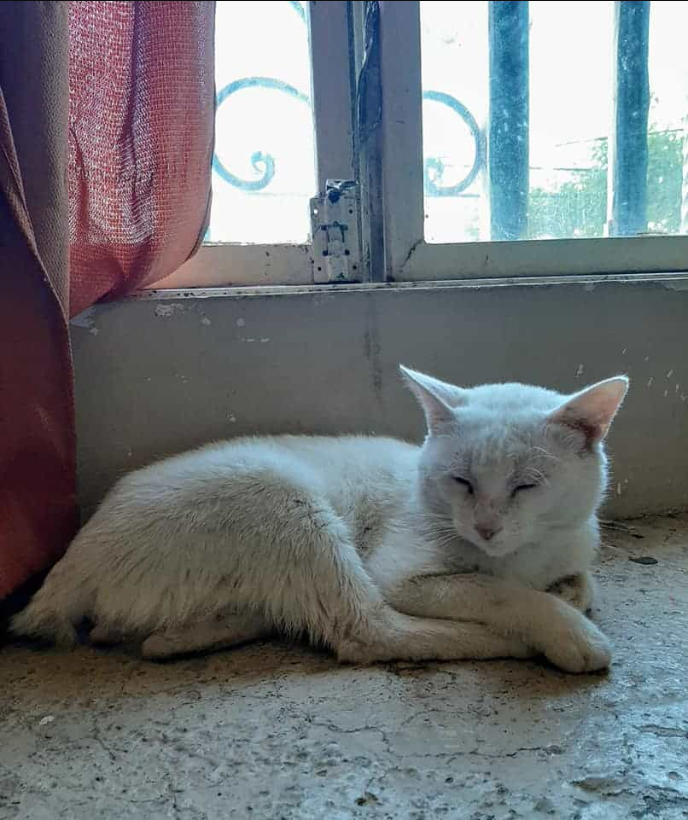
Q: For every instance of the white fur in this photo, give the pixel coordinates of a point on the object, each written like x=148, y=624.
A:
x=370, y=546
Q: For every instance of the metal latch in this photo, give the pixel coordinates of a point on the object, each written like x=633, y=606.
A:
x=334, y=227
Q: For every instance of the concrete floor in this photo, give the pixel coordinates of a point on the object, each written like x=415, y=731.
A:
x=272, y=731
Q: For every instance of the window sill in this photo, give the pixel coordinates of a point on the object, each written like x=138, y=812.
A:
x=669, y=281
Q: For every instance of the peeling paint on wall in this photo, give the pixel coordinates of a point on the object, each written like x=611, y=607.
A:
x=166, y=310
x=86, y=319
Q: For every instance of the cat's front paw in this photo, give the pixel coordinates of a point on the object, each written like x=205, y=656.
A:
x=577, y=645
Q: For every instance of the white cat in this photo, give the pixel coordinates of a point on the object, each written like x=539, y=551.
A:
x=375, y=548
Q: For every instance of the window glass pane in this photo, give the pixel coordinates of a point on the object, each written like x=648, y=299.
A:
x=566, y=58
x=570, y=115
x=667, y=174
x=264, y=163
x=455, y=99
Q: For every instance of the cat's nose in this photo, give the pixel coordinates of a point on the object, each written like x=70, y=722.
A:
x=488, y=533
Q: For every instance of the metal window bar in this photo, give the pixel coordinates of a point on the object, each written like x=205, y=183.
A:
x=628, y=149
x=508, y=121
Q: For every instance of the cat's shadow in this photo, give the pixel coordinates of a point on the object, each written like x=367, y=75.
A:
x=29, y=672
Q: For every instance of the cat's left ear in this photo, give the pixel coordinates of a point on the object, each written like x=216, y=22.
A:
x=437, y=398
x=592, y=411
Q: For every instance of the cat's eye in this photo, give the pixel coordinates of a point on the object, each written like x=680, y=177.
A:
x=464, y=483
x=523, y=487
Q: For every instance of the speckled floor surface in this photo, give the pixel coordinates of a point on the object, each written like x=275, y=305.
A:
x=272, y=731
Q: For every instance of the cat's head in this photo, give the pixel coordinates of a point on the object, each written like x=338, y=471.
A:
x=508, y=462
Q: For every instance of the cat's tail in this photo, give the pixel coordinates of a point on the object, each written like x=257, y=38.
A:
x=55, y=611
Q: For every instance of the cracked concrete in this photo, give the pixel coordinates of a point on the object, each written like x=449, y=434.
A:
x=272, y=731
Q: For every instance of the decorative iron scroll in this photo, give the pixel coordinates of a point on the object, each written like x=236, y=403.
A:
x=434, y=167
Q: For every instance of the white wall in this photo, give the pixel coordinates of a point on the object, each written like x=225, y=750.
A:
x=157, y=374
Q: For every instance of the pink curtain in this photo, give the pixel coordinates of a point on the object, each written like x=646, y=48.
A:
x=37, y=466
x=106, y=136
x=141, y=112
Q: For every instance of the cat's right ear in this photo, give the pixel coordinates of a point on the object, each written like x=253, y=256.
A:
x=437, y=398
x=592, y=411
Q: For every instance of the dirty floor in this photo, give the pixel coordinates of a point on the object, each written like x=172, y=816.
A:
x=275, y=732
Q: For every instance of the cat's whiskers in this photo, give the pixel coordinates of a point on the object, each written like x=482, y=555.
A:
x=543, y=451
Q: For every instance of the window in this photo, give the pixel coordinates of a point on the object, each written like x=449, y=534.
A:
x=506, y=139
x=283, y=127
x=540, y=121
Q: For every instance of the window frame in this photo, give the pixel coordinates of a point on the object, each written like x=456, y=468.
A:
x=409, y=258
